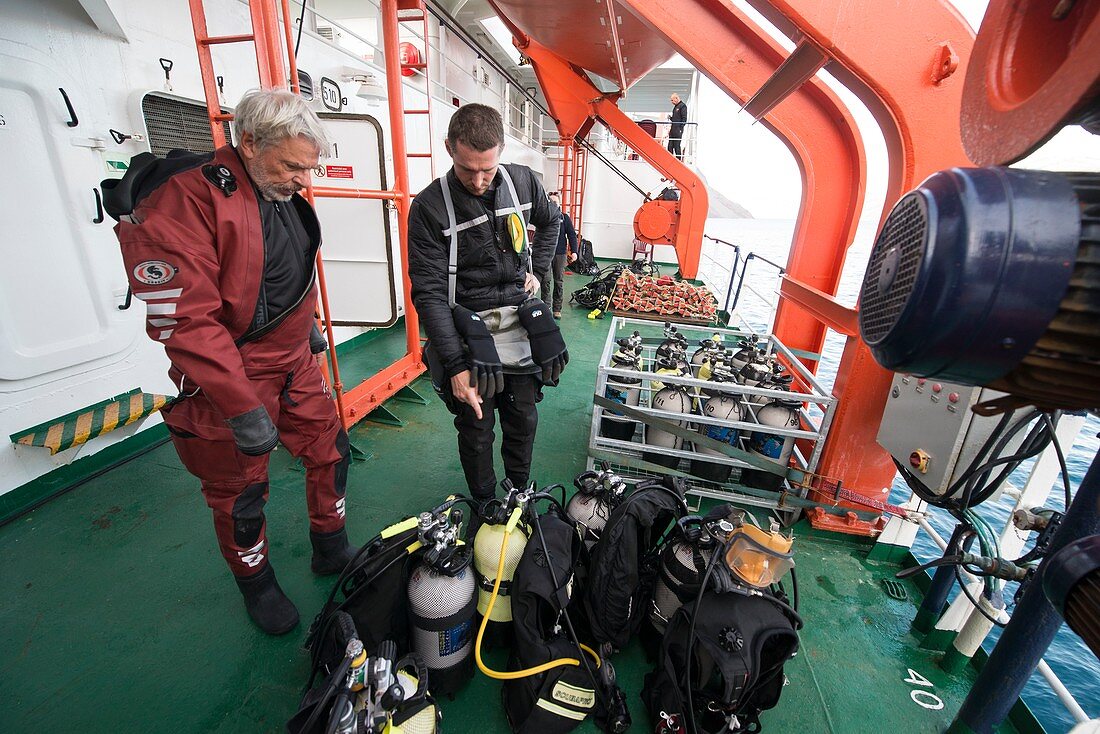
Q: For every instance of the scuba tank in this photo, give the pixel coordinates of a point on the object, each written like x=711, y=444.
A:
x=442, y=600
x=705, y=355
x=623, y=390
x=721, y=406
x=779, y=413
x=775, y=381
x=682, y=564
x=598, y=493
x=747, y=353
x=487, y=544
x=674, y=345
x=671, y=398
x=756, y=371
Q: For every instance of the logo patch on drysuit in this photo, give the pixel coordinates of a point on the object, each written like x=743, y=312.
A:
x=154, y=272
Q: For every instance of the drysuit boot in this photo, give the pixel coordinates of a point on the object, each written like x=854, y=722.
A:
x=266, y=603
x=331, y=552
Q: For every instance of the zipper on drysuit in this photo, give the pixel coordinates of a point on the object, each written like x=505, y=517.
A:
x=270, y=325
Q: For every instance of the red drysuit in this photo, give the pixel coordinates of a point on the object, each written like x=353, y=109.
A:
x=196, y=257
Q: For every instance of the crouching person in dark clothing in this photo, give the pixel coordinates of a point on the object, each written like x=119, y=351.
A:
x=491, y=345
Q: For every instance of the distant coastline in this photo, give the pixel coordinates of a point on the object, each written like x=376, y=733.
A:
x=722, y=207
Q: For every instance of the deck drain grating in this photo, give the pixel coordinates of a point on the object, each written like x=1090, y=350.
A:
x=894, y=589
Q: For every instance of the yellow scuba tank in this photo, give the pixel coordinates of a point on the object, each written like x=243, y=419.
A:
x=488, y=542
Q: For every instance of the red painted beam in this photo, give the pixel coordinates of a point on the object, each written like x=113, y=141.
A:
x=379, y=387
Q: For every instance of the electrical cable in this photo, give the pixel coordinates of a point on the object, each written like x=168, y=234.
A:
x=1061, y=460
x=944, y=561
x=973, y=601
x=301, y=23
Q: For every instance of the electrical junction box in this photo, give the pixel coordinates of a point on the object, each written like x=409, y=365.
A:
x=929, y=427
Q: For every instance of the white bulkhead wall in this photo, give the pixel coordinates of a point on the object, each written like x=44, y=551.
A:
x=64, y=343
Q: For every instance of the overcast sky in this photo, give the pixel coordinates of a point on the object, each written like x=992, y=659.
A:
x=747, y=163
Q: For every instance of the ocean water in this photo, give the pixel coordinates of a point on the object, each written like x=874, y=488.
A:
x=1074, y=663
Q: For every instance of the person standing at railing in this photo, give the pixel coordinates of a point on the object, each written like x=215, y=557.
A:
x=678, y=118
x=566, y=253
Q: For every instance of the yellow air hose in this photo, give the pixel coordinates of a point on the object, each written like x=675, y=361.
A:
x=513, y=520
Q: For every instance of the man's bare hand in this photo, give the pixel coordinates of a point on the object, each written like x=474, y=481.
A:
x=530, y=284
x=464, y=388
x=572, y=257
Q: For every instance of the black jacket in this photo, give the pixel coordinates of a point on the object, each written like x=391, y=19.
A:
x=490, y=273
x=679, y=116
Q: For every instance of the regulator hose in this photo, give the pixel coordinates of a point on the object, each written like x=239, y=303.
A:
x=513, y=520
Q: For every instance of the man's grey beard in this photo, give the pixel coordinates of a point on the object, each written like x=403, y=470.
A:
x=271, y=193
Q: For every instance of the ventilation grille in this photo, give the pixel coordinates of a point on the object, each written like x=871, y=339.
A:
x=178, y=123
x=305, y=85
x=892, y=271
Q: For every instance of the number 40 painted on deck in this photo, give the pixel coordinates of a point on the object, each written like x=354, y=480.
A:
x=921, y=697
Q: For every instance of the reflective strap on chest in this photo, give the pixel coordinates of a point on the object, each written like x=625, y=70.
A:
x=452, y=223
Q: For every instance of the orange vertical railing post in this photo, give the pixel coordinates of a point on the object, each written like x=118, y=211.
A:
x=390, y=42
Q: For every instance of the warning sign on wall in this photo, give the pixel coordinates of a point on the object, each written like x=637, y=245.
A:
x=339, y=172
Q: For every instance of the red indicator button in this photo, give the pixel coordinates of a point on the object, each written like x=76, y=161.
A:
x=937, y=387
x=953, y=397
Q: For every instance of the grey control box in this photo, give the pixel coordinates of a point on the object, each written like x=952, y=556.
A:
x=929, y=427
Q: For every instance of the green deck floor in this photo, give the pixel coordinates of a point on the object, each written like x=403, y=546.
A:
x=118, y=613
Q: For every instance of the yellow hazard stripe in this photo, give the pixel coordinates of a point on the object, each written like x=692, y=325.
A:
x=110, y=418
x=53, y=437
x=83, y=427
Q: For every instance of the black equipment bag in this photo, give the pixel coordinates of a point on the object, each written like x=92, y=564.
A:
x=372, y=589
x=619, y=587
x=585, y=264
x=558, y=700
x=736, y=662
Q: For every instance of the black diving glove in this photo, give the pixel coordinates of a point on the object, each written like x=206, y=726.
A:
x=486, y=372
x=547, y=345
x=254, y=432
x=317, y=341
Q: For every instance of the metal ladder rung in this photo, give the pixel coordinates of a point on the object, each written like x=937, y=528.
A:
x=417, y=65
x=418, y=155
x=416, y=112
x=216, y=40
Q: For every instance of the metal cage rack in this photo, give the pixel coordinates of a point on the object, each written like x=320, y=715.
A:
x=626, y=456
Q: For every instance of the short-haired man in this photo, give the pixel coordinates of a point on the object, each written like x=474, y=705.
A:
x=471, y=268
x=221, y=248
x=565, y=253
x=678, y=119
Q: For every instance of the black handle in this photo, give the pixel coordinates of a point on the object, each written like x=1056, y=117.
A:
x=166, y=64
x=119, y=138
x=129, y=299
x=73, y=120
x=98, y=207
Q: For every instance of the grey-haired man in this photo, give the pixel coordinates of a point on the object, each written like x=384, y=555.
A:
x=221, y=248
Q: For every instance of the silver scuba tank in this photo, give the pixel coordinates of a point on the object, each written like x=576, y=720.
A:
x=775, y=381
x=756, y=371
x=673, y=399
x=487, y=547
x=705, y=355
x=674, y=347
x=683, y=562
x=721, y=406
x=442, y=601
x=598, y=493
x=744, y=355
x=780, y=413
x=623, y=390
